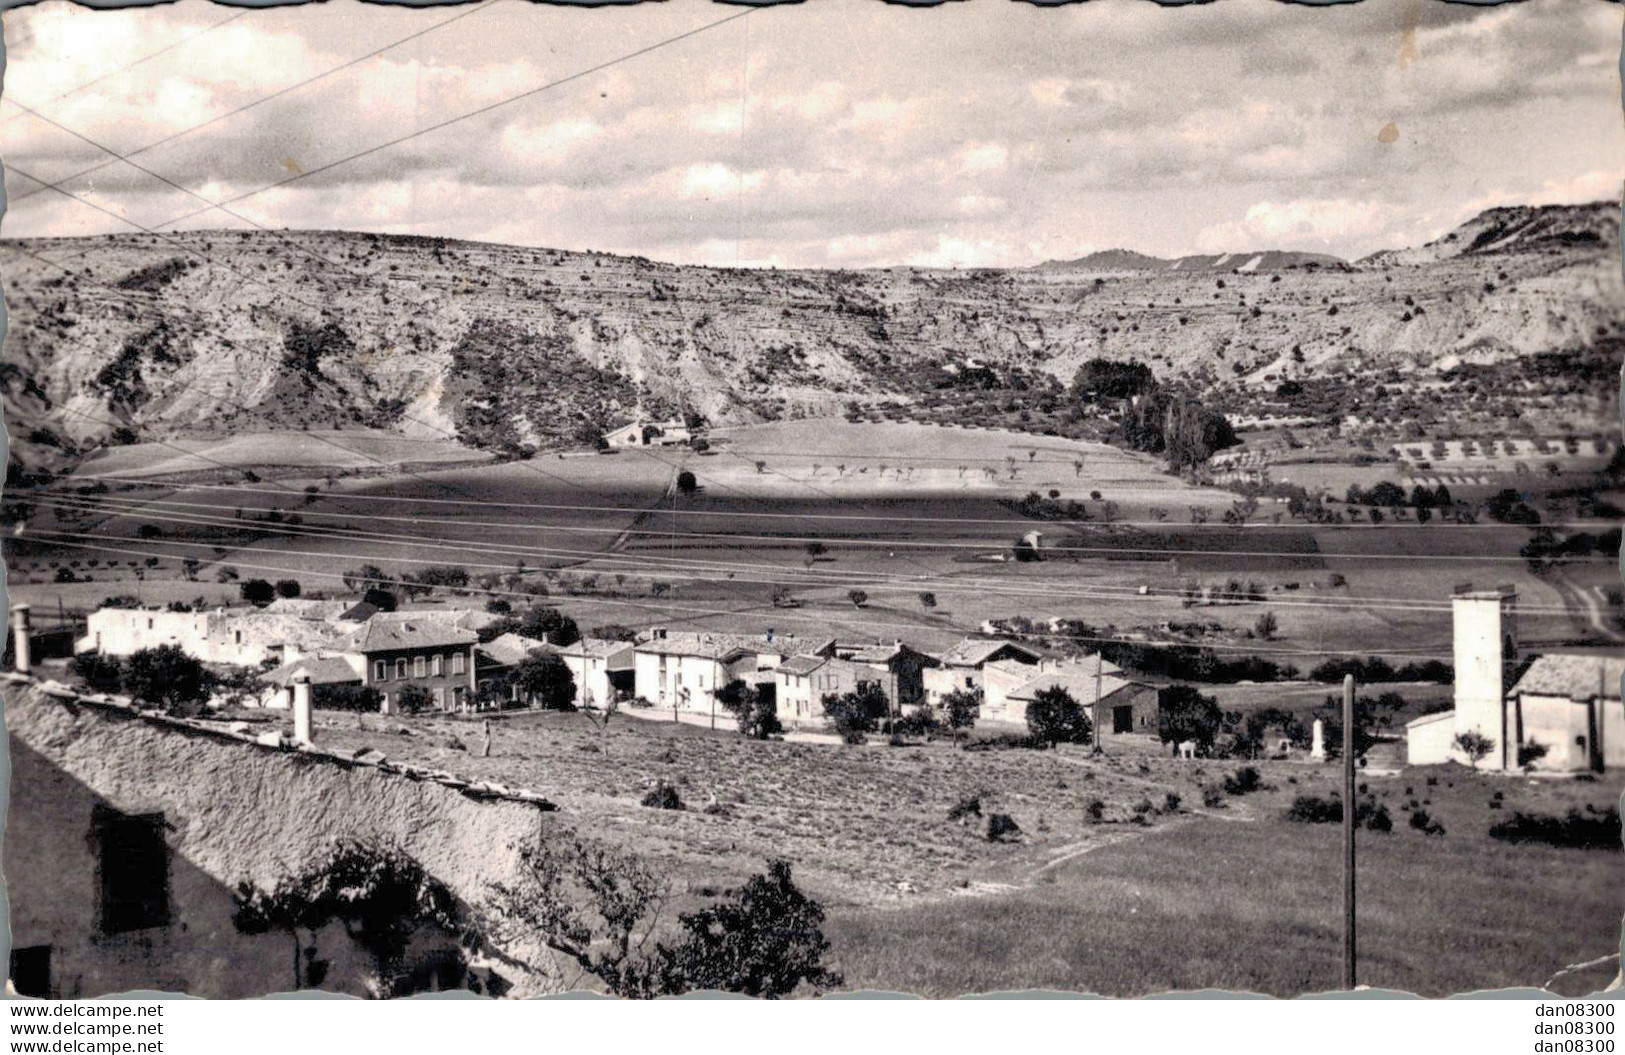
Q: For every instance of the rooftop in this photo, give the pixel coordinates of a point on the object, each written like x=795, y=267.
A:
x=323, y=670
x=1576, y=675
x=380, y=635
x=1080, y=687
x=511, y=649
x=974, y=651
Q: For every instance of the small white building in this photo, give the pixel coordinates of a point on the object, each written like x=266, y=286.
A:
x=604, y=670
x=649, y=434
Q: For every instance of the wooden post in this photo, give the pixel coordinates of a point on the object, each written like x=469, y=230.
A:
x=1348, y=832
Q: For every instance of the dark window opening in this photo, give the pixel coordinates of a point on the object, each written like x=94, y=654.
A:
x=31, y=970
x=1123, y=719
x=133, y=864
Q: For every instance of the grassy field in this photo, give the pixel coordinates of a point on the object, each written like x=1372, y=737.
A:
x=317, y=449
x=1230, y=895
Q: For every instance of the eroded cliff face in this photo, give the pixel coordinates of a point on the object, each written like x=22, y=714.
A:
x=232, y=812
x=510, y=346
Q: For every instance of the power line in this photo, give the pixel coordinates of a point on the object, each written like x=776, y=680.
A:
x=653, y=565
x=778, y=614
x=265, y=98
x=130, y=65
x=387, y=144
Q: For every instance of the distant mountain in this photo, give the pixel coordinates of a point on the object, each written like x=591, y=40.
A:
x=1551, y=229
x=1111, y=260
x=210, y=333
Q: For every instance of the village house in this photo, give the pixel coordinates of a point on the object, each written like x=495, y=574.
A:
x=682, y=670
x=961, y=667
x=323, y=673
x=1115, y=705
x=243, y=637
x=1569, y=705
x=430, y=654
x=494, y=663
x=604, y=670
x=649, y=434
x=800, y=684
x=900, y=669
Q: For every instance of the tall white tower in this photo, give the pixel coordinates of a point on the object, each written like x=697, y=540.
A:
x=1486, y=653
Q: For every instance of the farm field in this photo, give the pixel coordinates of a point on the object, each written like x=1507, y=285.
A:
x=1114, y=906
x=317, y=449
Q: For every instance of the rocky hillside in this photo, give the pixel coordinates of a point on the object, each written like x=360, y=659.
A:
x=506, y=347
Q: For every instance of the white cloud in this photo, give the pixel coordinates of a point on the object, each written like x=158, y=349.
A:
x=1295, y=224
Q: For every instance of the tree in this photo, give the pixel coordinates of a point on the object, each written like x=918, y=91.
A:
x=382, y=600
x=545, y=679
x=816, y=549
x=928, y=600
x=168, y=678
x=1475, y=745
x=758, y=717
x=413, y=699
x=686, y=483
x=1054, y=717
x=257, y=592
x=1266, y=626
x=858, y=713
x=149, y=531
x=764, y=942
x=379, y=893
x=960, y=709
x=859, y=598
x=190, y=565
x=1184, y=714
x=100, y=672
x=598, y=906
x=364, y=578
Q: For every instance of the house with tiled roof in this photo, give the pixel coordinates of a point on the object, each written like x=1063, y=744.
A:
x=1570, y=705
x=1115, y=704
x=900, y=667
x=322, y=671
x=683, y=669
x=432, y=654
x=604, y=670
x=800, y=684
x=963, y=668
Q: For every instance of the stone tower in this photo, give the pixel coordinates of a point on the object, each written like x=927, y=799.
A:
x=1486, y=654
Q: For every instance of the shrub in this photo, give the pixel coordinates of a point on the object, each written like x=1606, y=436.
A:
x=1312, y=809
x=168, y=678
x=413, y=699
x=663, y=796
x=1212, y=797
x=257, y=592
x=1096, y=811
x=757, y=716
x=1245, y=779
x=1002, y=828
x=1170, y=802
x=361, y=699
x=1422, y=822
x=1579, y=831
x=969, y=806
x=102, y=673
x=856, y=714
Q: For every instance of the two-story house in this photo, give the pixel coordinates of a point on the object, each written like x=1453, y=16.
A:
x=899, y=669
x=963, y=667
x=802, y=682
x=682, y=670
x=433, y=655
x=604, y=670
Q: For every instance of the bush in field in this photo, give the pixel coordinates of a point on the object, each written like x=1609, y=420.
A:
x=1002, y=828
x=288, y=588
x=663, y=796
x=1475, y=745
x=1312, y=809
x=1593, y=830
x=1424, y=823
x=1243, y=781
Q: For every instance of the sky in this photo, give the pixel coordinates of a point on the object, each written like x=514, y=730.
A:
x=839, y=133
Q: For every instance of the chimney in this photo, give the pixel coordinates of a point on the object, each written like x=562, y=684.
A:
x=19, y=636
x=302, y=731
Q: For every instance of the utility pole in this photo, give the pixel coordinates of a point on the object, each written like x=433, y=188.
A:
x=1098, y=735
x=1348, y=832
